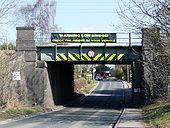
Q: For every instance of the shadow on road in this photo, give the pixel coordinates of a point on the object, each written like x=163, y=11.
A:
x=101, y=99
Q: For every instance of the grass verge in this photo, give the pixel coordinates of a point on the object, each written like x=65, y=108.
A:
x=16, y=112
x=158, y=114
x=88, y=87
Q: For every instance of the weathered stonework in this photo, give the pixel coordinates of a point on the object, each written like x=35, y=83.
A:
x=35, y=79
x=25, y=33
x=25, y=42
x=154, y=64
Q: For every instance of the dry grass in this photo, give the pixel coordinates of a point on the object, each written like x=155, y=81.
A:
x=86, y=89
x=82, y=86
x=79, y=83
x=20, y=112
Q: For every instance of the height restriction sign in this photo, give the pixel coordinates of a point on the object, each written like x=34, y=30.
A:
x=91, y=53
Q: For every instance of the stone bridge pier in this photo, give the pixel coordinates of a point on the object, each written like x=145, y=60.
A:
x=34, y=74
x=47, y=83
x=137, y=83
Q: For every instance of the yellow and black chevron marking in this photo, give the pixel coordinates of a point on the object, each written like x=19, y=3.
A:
x=85, y=57
x=113, y=57
x=119, y=56
x=74, y=56
x=99, y=57
x=110, y=57
x=103, y=57
x=61, y=57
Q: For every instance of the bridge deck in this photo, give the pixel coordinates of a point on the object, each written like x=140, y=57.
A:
x=88, y=53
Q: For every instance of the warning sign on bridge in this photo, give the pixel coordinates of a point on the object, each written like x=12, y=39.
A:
x=91, y=53
x=83, y=37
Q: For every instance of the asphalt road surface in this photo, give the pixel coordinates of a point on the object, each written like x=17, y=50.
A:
x=100, y=109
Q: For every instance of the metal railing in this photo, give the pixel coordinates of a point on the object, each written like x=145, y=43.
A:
x=123, y=39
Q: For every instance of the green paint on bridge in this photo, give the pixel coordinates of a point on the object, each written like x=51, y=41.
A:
x=81, y=54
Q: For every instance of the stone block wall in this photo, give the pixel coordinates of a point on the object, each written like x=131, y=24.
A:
x=34, y=86
x=154, y=65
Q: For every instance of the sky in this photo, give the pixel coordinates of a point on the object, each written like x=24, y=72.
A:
x=81, y=16
x=87, y=15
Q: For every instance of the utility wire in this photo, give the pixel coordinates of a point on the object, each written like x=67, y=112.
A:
x=84, y=12
x=87, y=2
x=83, y=5
x=86, y=9
x=89, y=5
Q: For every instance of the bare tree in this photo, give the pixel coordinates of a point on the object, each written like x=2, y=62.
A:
x=154, y=14
x=144, y=13
x=4, y=77
x=40, y=15
x=6, y=9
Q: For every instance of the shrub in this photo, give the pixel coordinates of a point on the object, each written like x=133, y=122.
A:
x=119, y=73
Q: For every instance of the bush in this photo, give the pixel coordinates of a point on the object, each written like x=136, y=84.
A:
x=119, y=73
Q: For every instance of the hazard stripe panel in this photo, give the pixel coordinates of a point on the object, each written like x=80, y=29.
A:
x=78, y=56
x=61, y=57
x=97, y=57
x=85, y=57
x=58, y=58
x=111, y=57
x=120, y=56
x=74, y=56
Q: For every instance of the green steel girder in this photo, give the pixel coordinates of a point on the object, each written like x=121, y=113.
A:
x=80, y=53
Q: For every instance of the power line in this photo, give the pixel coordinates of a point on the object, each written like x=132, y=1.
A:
x=85, y=12
x=86, y=2
x=88, y=5
x=86, y=9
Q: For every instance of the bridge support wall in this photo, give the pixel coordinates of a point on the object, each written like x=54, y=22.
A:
x=153, y=67
x=62, y=81
x=156, y=64
x=137, y=83
x=34, y=75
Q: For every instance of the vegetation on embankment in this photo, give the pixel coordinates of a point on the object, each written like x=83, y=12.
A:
x=20, y=112
x=83, y=86
x=158, y=114
x=86, y=89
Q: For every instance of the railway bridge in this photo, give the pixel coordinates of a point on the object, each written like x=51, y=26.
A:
x=52, y=65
